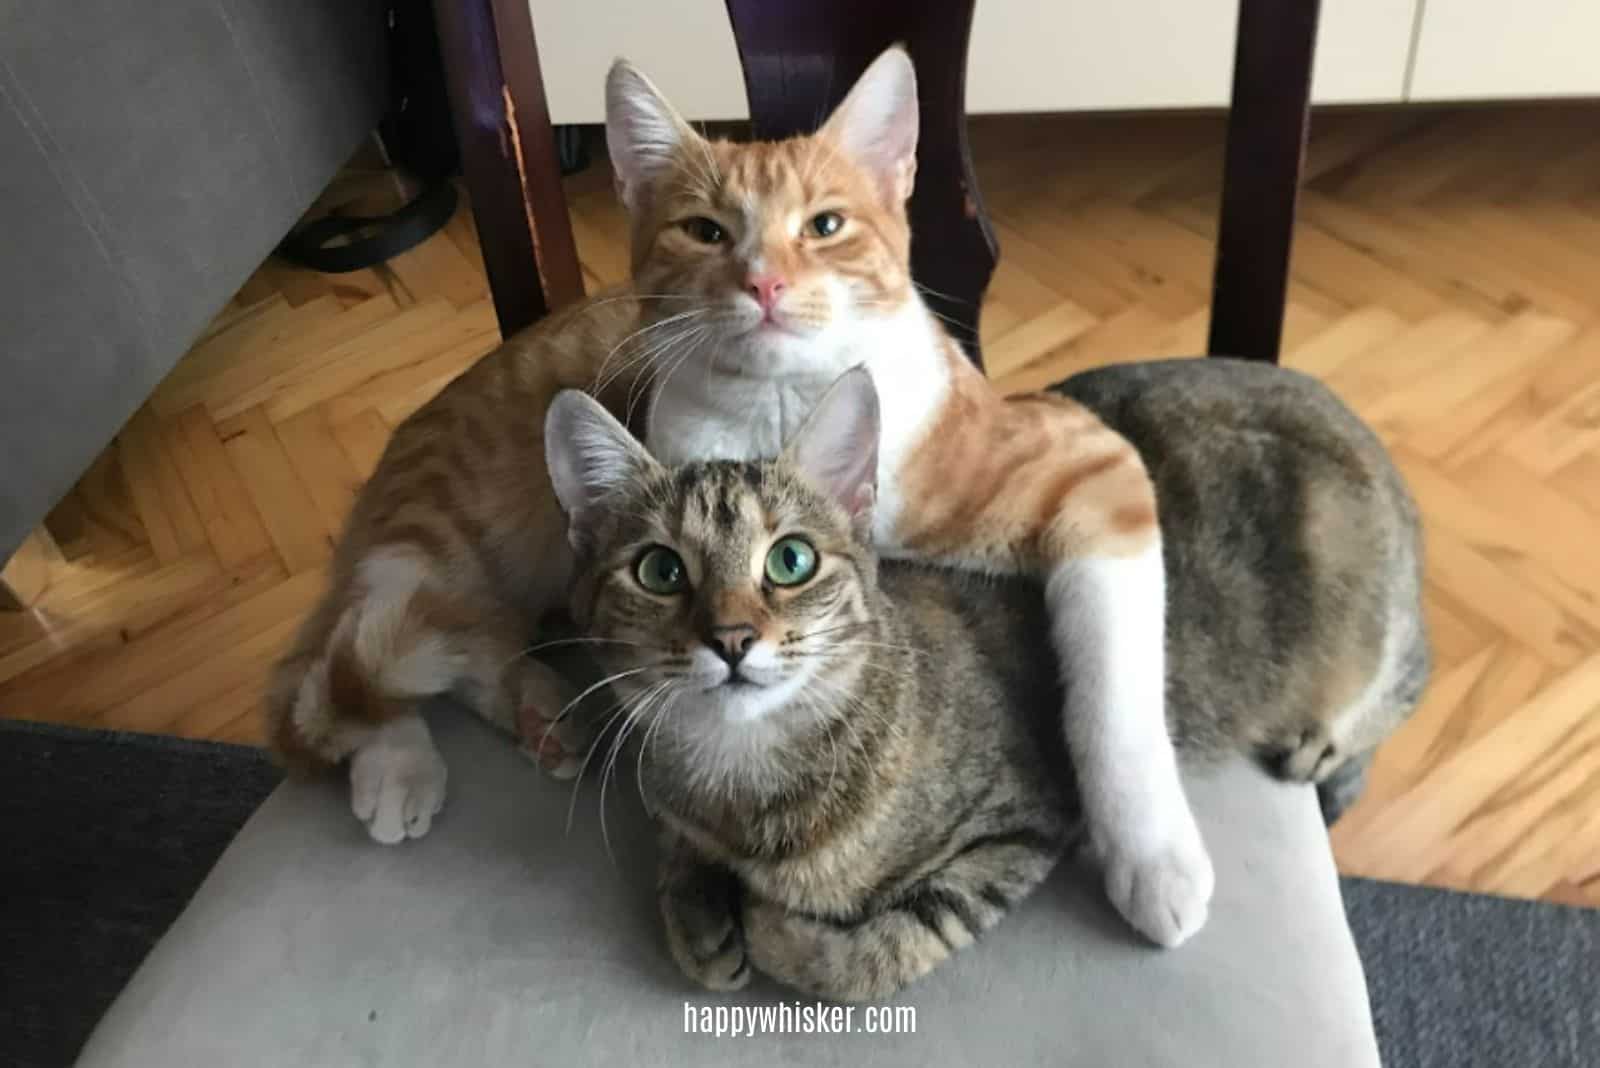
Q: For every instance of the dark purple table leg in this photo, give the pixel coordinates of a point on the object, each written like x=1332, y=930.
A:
x=1261, y=175
x=508, y=155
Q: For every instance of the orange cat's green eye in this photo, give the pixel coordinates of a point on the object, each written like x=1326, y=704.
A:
x=825, y=224
x=661, y=571
x=706, y=231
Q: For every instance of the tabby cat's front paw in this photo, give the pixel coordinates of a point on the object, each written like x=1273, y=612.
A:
x=708, y=946
x=1164, y=891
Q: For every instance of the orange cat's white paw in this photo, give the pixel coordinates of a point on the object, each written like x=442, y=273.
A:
x=397, y=781
x=1164, y=892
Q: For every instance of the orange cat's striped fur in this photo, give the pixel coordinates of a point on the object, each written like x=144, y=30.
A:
x=763, y=272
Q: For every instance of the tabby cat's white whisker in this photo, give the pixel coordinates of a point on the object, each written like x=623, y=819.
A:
x=860, y=707
x=821, y=631
x=657, y=717
x=857, y=643
x=529, y=650
x=604, y=721
x=608, y=769
x=850, y=703
x=611, y=715
x=568, y=707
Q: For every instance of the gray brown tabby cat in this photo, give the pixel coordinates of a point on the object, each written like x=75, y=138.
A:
x=857, y=766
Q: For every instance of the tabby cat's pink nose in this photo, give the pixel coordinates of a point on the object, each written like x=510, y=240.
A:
x=767, y=289
x=731, y=642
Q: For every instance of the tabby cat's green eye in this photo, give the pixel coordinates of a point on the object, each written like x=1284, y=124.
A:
x=825, y=224
x=661, y=571
x=706, y=231
x=790, y=562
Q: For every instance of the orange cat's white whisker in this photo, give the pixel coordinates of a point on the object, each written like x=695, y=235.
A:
x=930, y=291
x=602, y=380
x=652, y=353
x=689, y=342
x=689, y=350
x=632, y=297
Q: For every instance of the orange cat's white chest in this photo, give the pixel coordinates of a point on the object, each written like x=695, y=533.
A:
x=727, y=416
x=708, y=412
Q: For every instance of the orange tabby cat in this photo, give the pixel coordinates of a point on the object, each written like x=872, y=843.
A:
x=765, y=271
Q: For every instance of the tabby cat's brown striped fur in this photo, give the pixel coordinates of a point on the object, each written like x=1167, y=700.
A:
x=870, y=776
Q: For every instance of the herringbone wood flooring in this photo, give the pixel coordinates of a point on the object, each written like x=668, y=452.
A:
x=1446, y=283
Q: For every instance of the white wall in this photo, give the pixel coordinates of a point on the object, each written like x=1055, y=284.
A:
x=1075, y=55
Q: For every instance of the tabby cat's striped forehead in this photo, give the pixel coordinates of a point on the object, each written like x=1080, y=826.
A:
x=723, y=504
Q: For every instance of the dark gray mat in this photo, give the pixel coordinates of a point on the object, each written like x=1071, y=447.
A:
x=105, y=836
x=1463, y=980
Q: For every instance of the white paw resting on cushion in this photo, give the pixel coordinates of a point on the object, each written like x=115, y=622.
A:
x=397, y=781
x=1164, y=888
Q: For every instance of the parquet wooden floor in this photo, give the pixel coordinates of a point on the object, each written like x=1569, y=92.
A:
x=1446, y=283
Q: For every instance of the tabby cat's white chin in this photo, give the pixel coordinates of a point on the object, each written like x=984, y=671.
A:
x=749, y=702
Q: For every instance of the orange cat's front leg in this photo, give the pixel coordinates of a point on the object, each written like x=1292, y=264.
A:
x=1038, y=485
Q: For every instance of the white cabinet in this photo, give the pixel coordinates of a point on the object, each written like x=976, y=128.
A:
x=685, y=46
x=1086, y=55
x=1078, y=55
x=1362, y=49
x=1491, y=49
x=1072, y=55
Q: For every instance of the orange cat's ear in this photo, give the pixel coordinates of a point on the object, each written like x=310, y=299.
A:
x=837, y=447
x=643, y=133
x=591, y=457
x=876, y=124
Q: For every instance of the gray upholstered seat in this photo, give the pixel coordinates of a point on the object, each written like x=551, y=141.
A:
x=502, y=939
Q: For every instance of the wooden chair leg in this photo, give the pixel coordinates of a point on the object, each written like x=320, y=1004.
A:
x=1261, y=175
x=27, y=573
x=508, y=156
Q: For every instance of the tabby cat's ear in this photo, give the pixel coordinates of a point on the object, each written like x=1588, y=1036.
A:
x=591, y=456
x=643, y=132
x=876, y=124
x=837, y=447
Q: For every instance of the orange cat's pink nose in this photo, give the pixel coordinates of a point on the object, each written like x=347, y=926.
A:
x=767, y=289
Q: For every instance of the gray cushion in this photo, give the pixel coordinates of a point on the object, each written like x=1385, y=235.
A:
x=503, y=939
x=151, y=156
